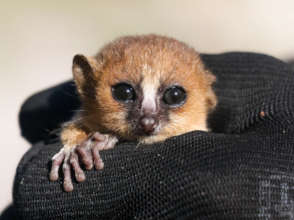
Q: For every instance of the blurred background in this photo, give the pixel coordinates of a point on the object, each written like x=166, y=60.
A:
x=39, y=38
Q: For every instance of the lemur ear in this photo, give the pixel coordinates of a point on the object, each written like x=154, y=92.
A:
x=84, y=74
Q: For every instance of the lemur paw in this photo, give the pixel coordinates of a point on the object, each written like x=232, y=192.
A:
x=87, y=152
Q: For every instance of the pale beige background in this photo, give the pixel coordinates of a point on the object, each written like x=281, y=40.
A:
x=39, y=38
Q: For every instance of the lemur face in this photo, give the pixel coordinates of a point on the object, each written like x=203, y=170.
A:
x=146, y=88
x=148, y=104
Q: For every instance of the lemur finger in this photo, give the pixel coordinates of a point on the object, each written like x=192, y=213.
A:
x=67, y=182
x=98, y=162
x=84, y=150
x=99, y=137
x=57, y=160
x=110, y=143
x=105, y=142
x=79, y=173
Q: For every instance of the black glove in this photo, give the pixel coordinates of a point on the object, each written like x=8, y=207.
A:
x=243, y=169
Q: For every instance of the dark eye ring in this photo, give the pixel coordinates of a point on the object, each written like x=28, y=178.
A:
x=123, y=92
x=174, y=96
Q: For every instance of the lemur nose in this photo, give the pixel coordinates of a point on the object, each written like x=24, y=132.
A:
x=148, y=124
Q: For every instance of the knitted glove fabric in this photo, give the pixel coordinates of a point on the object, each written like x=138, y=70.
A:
x=242, y=169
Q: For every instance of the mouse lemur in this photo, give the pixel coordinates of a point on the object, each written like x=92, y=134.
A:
x=145, y=88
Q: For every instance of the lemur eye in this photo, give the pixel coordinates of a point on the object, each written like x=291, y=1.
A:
x=174, y=96
x=123, y=92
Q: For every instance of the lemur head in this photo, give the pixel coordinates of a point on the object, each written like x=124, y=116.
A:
x=144, y=88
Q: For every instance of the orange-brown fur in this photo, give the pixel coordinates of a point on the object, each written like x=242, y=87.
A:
x=73, y=135
x=159, y=58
